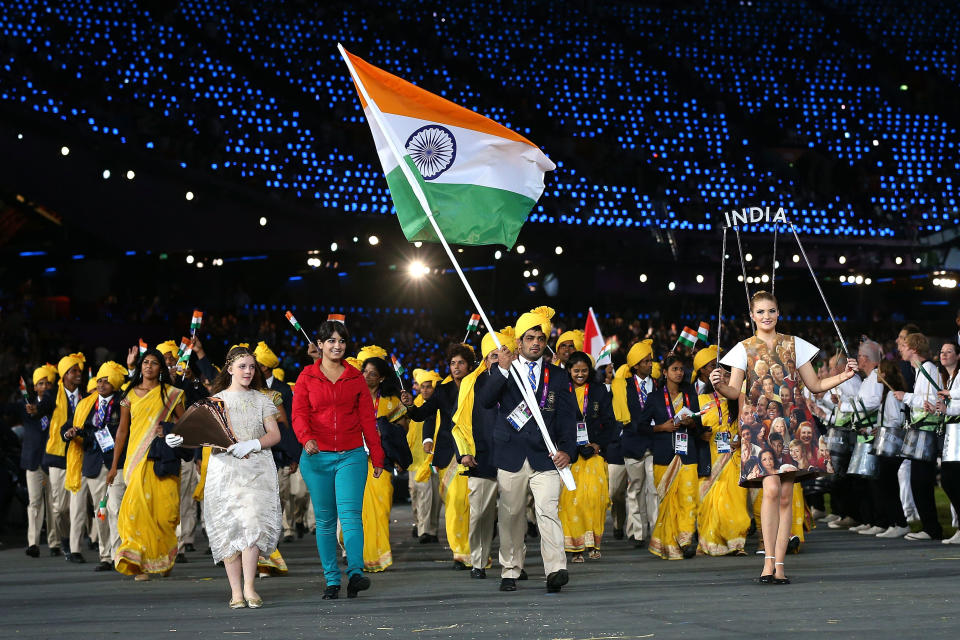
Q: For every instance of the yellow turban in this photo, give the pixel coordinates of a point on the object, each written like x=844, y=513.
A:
x=47, y=371
x=371, y=351
x=245, y=345
x=279, y=374
x=639, y=351
x=505, y=336
x=422, y=375
x=265, y=355
x=539, y=317
x=353, y=362
x=704, y=356
x=168, y=347
x=114, y=372
x=623, y=372
x=69, y=362
x=655, y=371
x=91, y=385
x=576, y=337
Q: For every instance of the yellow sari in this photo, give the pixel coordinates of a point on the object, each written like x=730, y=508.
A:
x=275, y=565
x=802, y=520
x=150, y=511
x=677, y=486
x=377, y=501
x=456, y=500
x=583, y=512
x=723, y=522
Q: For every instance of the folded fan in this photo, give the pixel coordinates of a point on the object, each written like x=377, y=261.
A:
x=205, y=424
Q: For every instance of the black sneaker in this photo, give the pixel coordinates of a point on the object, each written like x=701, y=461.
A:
x=556, y=580
x=508, y=584
x=478, y=573
x=332, y=592
x=33, y=551
x=358, y=582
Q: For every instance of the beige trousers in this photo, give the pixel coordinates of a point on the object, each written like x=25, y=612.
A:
x=38, y=507
x=60, y=506
x=302, y=506
x=513, y=487
x=641, y=499
x=483, y=515
x=114, y=498
x=92, y=491
x=286, y=501
x=189, y=476
x=425, y=498
x=617, y=474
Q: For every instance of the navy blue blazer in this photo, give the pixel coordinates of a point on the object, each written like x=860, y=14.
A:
x=444, y=400
x=511, y=447
x=396, y=450
x=656, y=409
x=288, y=450
x=602, y=426
x=93, y=458
x=35, y=432
x=637, y=439
x=484, y=421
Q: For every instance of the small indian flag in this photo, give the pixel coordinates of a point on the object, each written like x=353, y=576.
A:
x=143, y=346
x=703, y=333
x=473, y=322
x=185, y=349
x=608, y=349
x=396, y=366
x=23, y=390
x=293, y=321
x=480, y=179
x=688, y=337
x=196, y=321
x=337, y=317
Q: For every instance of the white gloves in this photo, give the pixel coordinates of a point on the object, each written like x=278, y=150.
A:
x=243, y=449
x=173, y=440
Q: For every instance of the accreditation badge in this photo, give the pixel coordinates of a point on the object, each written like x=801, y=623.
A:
x=680, y=442
x=104, y=439
x=519, y=416
x=582, y=437
x=723, y=442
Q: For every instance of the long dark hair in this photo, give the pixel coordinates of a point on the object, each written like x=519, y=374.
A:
x=389, y=384
x=224, y=378
x=164, y=379
x=669, y=361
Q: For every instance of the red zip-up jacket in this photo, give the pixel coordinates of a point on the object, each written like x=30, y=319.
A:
x=338, y=415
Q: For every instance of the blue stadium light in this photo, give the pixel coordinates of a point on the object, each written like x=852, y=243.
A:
x=29, y=254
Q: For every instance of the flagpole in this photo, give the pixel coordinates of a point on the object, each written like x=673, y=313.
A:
x=565, y=474
x=723, y=264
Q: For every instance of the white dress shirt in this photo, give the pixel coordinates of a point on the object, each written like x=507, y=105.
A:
x=871, y=393
x=537, y=370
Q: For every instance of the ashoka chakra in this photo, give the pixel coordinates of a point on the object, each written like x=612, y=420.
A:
x=432, y=149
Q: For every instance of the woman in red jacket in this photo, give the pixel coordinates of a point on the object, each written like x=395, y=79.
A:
x=333, y=417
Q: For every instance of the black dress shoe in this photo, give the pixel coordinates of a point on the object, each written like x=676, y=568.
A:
x=425, y=538
x=358, y=583
x=76, y=557
x=55, y=551
x=508, y=584
x=478, y=573
x=103, y=566
x=332, y=592
x=638, y=544
x=181, y=557
x=189, y=548
x=288, y=538
x=523, y=575
x=33, y=551
x=618, y=534
x=556, y=580
x=459, y=566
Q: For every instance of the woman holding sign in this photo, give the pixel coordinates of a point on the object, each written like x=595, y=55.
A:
x=776, y=477
x=673, y=407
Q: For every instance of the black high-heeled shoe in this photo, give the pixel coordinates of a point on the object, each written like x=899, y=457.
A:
x=784, y=579
x=766, y=578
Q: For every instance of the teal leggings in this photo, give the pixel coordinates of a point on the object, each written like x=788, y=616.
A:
x=336, y=480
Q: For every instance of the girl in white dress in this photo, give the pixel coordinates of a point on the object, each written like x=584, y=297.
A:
x=241, y=500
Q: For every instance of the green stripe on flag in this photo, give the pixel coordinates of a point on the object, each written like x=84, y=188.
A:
x=466, y=213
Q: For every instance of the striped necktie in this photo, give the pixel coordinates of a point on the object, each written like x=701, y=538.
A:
x=531, y=376
x=101, y=414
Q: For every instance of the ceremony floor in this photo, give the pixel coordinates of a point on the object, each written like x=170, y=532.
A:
x=844, y=584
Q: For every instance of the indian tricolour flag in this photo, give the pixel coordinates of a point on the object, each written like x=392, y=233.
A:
x=688, y=337
x=703, y=332
x=480, y=179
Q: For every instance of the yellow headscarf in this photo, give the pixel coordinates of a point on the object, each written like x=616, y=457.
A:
x=422, y=375
x=639, y=351
x=618, y=387
x=575, y=336
x=506, y=336
x=265, y=356
x=91, y=385
x=353, y=362
x=702, y=357
x=55, y=444
x=47, y=371
x=279, y=374
x=168, y=347
x=371, y=351
x=539, y=317
x=114, y=372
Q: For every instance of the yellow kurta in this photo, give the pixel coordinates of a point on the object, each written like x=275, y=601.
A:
x=723, y=522
x=677, y=486
x=377, y=501
x=583, y=512
x=150, y=511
